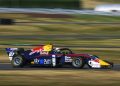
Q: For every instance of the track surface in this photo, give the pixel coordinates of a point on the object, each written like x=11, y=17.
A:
x=56, y=11
x=7, y=66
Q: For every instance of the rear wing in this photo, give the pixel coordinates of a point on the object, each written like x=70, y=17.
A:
x=11, y=52
x=8, y=50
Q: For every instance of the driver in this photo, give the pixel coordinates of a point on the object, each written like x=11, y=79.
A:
x=56, y=50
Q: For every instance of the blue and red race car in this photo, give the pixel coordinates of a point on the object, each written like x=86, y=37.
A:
x=47, y=55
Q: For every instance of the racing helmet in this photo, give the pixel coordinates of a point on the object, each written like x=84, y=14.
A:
x=57, y=49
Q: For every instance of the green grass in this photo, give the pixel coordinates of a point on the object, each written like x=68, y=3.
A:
x=59, y=77
x=67, y=77
x=43, y=29
x=97, y=18
x=33, y=29
x=66, y=29
x=66, y=41
x=63, y=77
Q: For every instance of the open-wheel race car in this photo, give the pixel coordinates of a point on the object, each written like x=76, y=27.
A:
x=47, y=55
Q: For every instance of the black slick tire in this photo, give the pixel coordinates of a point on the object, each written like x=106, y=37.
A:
x=78, y=62
x=18, y=61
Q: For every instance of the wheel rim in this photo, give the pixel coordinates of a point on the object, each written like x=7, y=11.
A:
x=77, y=63
x=17, y=61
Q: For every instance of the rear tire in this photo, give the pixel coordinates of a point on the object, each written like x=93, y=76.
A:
x=18, y=61
x=78, y=62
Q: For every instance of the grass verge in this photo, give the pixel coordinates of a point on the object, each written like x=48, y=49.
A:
x=64, y=29
x=59, y=77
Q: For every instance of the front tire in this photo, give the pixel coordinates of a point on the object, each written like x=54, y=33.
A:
x=18, y=61
x=78, y=62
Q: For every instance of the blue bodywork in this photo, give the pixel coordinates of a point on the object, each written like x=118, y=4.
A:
x=53, y=58
x=38, y=57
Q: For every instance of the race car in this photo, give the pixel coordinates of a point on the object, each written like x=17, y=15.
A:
x=47, y=55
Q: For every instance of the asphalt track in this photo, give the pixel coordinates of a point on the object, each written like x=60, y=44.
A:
x=79, y=23
x=7, y=66
x=56, y=11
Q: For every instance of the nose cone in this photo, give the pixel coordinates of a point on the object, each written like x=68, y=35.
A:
x=103, y=63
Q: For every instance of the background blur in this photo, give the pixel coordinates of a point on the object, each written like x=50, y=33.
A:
x=97, y=39
x=68, y=4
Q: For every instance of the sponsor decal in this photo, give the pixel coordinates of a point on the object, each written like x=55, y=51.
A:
x=53, y=60
x=68, y=59
x=36, y=61
x=44, y=53
x=36, y=50
x=39, y=50
x=42, y=61
x=94, y=63
x=47, y=61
